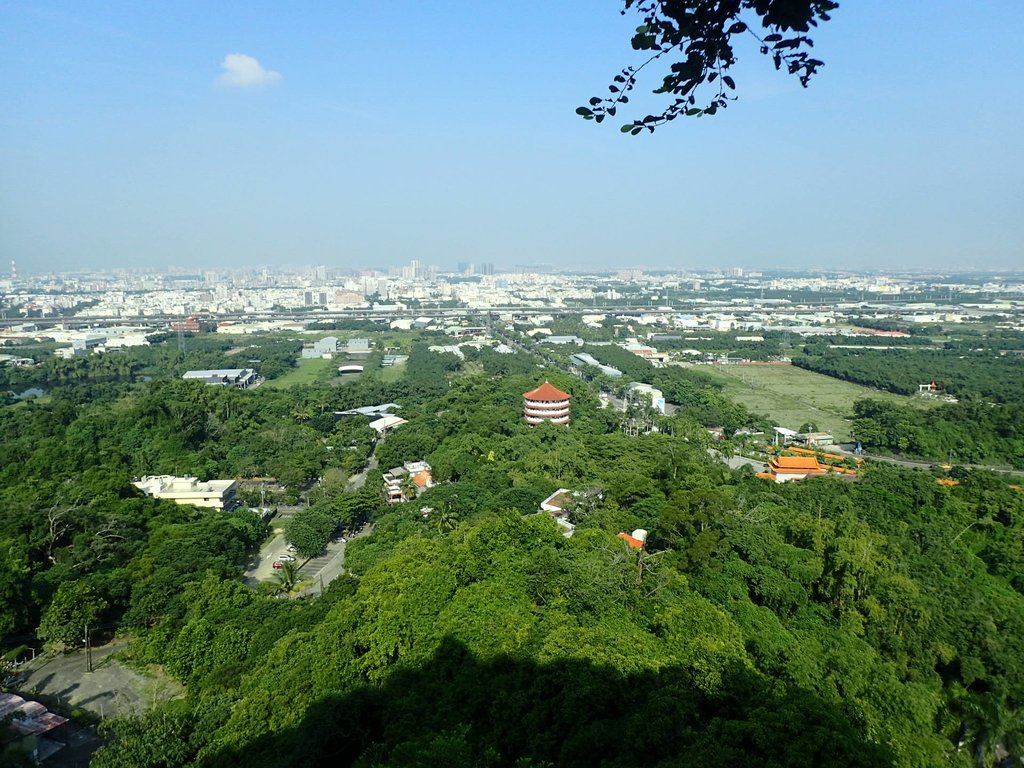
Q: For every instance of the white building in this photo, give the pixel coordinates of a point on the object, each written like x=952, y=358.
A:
x=325, y=347
x=242, y=378
x=638, y=390
x=216, y=494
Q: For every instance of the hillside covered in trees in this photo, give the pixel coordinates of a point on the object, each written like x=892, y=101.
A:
x=984, y=427
x=873, y=623
x=965, y=374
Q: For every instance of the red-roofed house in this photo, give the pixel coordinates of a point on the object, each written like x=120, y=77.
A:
x=636, y=539
x=546, y=403
x=33, y=731
x=407, y=481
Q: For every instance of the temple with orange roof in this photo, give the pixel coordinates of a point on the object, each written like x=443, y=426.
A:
x=546, y=403
x=782, y=469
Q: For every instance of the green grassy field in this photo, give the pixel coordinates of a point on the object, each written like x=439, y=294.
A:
x=392, y=373
x=791, y=396
x=305, y=372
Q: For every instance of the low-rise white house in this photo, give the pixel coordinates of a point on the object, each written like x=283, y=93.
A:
x=216, y=494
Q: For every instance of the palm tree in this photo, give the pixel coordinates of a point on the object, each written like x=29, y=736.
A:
x=285, y=579
x=408, y=488
x=445, y=519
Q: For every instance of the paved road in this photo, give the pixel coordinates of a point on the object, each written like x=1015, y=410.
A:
x=915, y=464
x=110, y=689
x=261, y=566
x=735, y=462
x=318, y=571
x=324, y=569
x=357, y=481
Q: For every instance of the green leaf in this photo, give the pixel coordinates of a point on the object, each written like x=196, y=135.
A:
x=626, y=128
x=584, y=112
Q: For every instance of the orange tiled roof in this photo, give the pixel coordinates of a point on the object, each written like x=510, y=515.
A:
x=946, y=481
x=546, y=393
x=795, y=462
x=634, y=543
x=421, y=479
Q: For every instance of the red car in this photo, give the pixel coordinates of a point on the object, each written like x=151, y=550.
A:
x=278, y=564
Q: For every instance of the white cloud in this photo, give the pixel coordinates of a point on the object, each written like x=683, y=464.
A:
x=241, y=71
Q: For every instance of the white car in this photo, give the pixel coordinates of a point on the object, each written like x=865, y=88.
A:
x=284, y=557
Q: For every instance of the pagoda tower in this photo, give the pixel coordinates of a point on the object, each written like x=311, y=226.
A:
x=546, y=403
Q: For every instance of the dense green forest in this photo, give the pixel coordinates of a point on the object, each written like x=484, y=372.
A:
x=965, y=374
x=69, y=510
x=985, y=427
x=964, y=433
x=874, y=623
x=273, y=355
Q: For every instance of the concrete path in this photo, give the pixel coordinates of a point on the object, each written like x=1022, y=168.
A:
x=358, y=480
x=110, y=689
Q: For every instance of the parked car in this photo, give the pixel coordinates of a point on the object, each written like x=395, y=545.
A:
x=278, y=564
x=284, y=557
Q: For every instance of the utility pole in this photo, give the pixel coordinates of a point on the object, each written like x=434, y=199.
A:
x=88, y=651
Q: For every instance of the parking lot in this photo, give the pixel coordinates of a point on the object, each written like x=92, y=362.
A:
x=316, y=572
x=110, y=689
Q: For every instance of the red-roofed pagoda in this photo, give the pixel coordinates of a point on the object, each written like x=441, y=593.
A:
x=546, y=403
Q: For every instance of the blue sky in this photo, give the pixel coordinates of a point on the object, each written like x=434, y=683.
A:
x=373, y=133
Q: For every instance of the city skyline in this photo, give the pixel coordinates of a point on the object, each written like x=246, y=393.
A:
x=137, y=138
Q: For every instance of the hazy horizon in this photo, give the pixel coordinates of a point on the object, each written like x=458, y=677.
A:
x=139, y=136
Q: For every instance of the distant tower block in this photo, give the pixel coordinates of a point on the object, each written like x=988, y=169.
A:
x=546, y=403
x=14, y=270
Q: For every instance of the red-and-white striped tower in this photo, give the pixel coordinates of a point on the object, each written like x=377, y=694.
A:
x=546, y=403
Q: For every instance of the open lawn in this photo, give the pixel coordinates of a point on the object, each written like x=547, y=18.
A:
x=392, y=373
x=792, y=396
x=304, y=372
